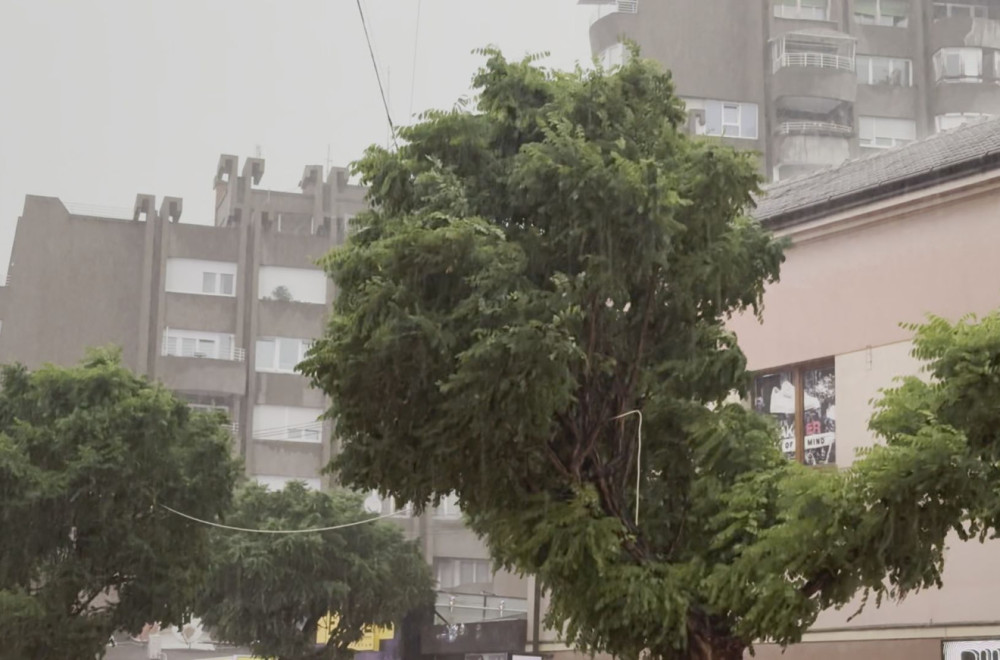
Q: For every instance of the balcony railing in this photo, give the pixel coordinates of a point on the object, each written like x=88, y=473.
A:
x=231, y=353
x=308, y=432
x=817, y=60
x=614, y=7
x=467, y=608
x=814, y=128
x=233, y=428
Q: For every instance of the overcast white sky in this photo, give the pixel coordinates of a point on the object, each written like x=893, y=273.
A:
x=103, y=99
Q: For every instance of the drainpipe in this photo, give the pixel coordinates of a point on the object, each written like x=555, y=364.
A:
x=536, y=619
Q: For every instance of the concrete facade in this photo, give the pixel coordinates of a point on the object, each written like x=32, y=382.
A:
x=826, y=80
x=198, y=307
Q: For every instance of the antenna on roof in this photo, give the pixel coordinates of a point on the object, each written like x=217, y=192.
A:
x=328, y=162
x=257, y=151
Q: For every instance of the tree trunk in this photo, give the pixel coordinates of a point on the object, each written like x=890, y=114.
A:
x=717, y=647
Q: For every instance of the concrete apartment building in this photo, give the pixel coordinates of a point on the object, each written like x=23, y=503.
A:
x=811, y=83
x=221, y=315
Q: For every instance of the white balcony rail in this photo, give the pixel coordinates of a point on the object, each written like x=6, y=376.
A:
x=814, y=128
x=233, y=428
x=308, y=432
x=231, y=353
x=817, y=60
x=628, y=6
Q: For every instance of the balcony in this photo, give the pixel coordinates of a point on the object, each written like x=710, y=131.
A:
x=467, y=608
x=185, y=350
x=814, y=128
x=818, y=60
x=814, y=63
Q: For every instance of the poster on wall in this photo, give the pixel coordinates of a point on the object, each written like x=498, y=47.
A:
x=820, y=416
x=774, y=395
x=972, y=650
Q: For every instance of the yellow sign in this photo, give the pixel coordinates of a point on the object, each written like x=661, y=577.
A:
x=371, y=638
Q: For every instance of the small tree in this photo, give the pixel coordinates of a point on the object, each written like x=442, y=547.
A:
x=282, y=294
x=530, y=278
x=271, y=591
x=87, y=454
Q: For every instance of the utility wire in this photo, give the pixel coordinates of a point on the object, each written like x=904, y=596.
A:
x=276, y=531
x=378, y=76
x=638, y=459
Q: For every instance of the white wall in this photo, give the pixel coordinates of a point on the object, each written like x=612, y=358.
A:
x=185, y=275
x=292, y=423
x=860, y=375
x=305, y=284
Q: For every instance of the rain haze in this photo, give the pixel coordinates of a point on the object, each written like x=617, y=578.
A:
x=107, y=99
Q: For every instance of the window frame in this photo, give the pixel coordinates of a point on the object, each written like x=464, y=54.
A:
x=870, y=59
x=983, y=11
x=275, y=366
x=940, y=59
x=894, y=141
x=198, y=340
x=453, y=565
x=784, y=9
x=798, y=371
x=878, y=15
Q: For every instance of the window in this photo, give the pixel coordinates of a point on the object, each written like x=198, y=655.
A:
x=955, y=119
x=613, y=56
x=281, y=354
x=886, y=132
x=278, y=483
x=194, y=343
x=292, y=284
x=960, y=9
x=214, y=278
x=890, y=13
x=448, y=508
x=451, y=573
x=876, y=70
x=801, y=399
x=958, y=64
x=813, y=10
x=375, y=503
x=287, y=423
x=726, y=118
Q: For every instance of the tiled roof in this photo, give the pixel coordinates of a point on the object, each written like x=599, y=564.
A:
x=840, y=186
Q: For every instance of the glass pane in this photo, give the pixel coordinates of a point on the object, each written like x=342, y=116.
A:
x=774, y=395
x=171, y=345
x=227, y=284
x=748, y=121
x=208, y=282
x=206, y=348
x=730, y=113
x=288, y=353
x=819, y=399
x=863, y=64
x=467, y=572
x=188, y=346
x=880, y=70
x=265, y=354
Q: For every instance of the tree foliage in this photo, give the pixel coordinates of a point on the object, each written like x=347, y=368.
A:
x=531, y=273
x=271, y=591
x=86, y=455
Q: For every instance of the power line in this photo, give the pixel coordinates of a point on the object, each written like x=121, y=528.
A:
x=378, y=76
x=276, y=531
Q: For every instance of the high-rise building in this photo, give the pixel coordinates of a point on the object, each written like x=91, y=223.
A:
x=811, y=83
x=222, y=315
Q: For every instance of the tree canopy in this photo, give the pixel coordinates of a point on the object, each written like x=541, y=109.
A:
x=270, y=592
x=87, y=454
x=535, y=271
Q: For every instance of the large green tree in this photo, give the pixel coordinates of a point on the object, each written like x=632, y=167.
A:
x=271, y=591
x=87, y=454
x=533, y=273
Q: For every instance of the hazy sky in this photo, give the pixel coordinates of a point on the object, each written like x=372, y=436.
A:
x=103, y=99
